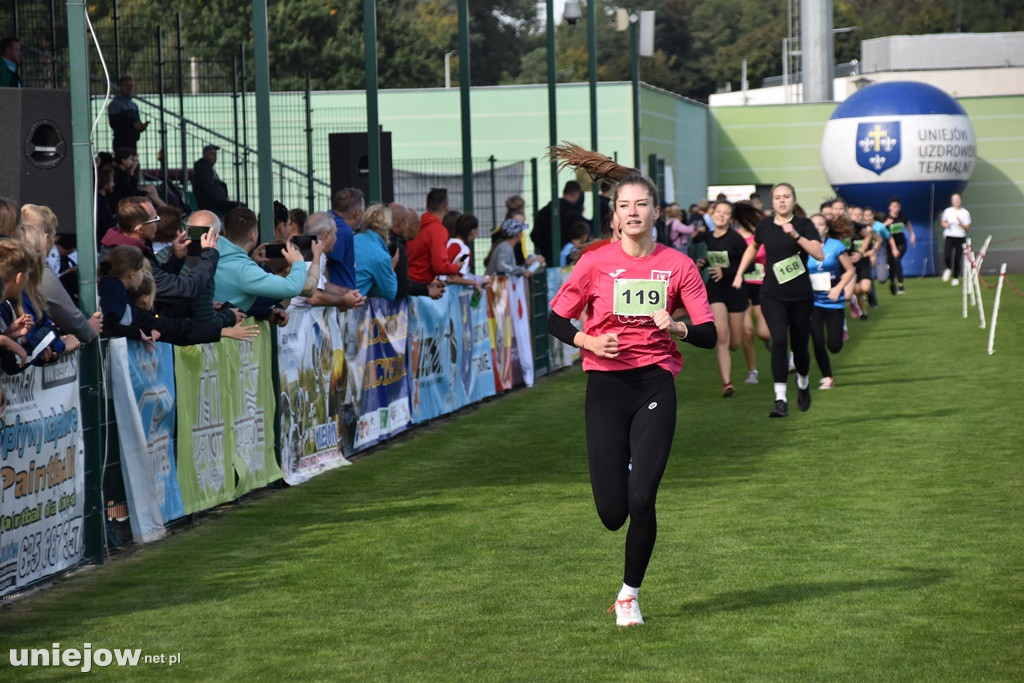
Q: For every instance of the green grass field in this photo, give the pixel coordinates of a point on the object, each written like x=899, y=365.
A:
x=876, y=537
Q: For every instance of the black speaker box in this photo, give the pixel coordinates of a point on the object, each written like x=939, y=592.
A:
x=35, y=151
x=350, y=166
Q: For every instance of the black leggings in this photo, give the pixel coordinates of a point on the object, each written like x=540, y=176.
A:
x=828, y=320
x=896, y=262
x=792, y=318
x=955, y=254
x=631, y=419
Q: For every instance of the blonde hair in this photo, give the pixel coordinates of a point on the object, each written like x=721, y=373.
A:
x=42, y=217
x=34, y=239
x=378, y=219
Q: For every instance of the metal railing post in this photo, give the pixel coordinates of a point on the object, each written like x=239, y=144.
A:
x=309, y=147
x=181, y=109
x=494, y=194
x=117, y=40
x=534, y=186
x=245, y=130
x=163, y=119
x=234, y=108
x=53, y=45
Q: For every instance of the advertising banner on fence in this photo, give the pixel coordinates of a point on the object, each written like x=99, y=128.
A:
x=206, y=474
x=519, y=314
x=227, y=424
x=310, y=423
x=376, y=353
x=143, y=387
x=252, y=409
x=433, y=349
x=42, y=474
x=502, y=340
x=562, y=355
x=476, y=364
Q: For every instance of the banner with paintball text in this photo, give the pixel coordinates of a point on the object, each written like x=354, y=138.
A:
x=42, y=474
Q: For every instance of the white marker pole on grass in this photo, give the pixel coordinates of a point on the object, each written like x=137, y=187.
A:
x=977, y=293
x=984, y=250
x=995, y=310
x=969, y=271
x=966, y=284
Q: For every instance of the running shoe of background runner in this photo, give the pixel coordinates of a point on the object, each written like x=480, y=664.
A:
x=803, y=398
x=827, y=383
x=751, y=377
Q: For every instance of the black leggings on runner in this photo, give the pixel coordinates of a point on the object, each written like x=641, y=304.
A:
x=896, y=262
x=792, y=318
x=631, y=419
x=954, y=253
x=827, y=323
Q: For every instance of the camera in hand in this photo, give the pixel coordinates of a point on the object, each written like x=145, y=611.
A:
x=195, y=234
x=304, y=243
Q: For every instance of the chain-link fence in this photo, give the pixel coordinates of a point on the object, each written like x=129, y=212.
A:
x=190, y=102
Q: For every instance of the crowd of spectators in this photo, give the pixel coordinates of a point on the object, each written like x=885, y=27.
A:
x=167, y=274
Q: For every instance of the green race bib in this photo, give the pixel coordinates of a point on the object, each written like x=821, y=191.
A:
x=756, y=274
x=787, y=269
x=896, y=228
x=857, y=244
x=639, y=297
x=718, y=258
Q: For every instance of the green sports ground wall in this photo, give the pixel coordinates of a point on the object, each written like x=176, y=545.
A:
x=700, y=146
x=773, y=143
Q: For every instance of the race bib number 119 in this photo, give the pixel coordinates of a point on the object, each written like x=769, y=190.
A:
x=639, y=297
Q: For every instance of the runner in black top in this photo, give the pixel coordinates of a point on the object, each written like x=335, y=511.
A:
x=861, y=247
x=899, y=227
x=787, y=299
x=725, y=249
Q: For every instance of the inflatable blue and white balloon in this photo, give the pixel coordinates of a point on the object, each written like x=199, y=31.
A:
x=901, y=139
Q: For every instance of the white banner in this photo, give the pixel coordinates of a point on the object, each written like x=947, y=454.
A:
x=42, y=474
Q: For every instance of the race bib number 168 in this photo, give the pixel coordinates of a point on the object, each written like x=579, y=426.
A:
x=639, y=297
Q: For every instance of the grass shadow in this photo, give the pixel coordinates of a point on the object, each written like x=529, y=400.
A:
x=912, y=579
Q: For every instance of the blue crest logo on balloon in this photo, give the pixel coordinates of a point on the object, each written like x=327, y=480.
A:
x=906, y=140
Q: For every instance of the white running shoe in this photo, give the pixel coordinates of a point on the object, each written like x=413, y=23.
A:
x=827, y=383
x=955, y=282
x=946, y=274
x=751, y=377
x=627, y=612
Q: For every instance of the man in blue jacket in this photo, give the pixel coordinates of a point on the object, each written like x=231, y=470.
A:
x=239, y=279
